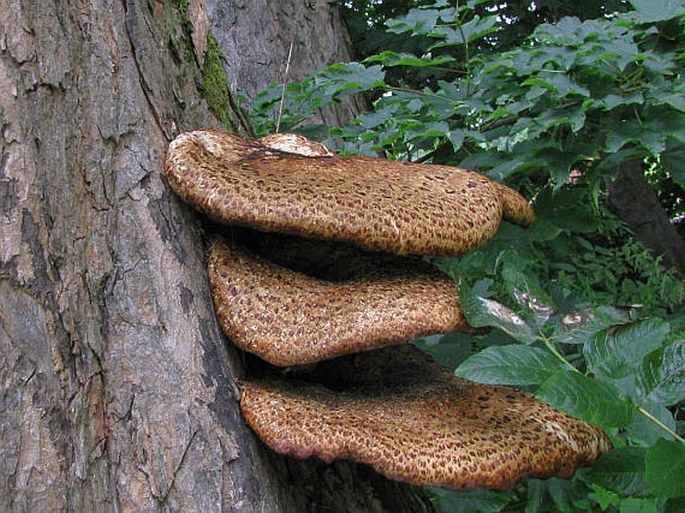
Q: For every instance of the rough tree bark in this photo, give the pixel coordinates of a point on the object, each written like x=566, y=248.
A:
x=317, y=33
x=116, y=385
x=636, y=203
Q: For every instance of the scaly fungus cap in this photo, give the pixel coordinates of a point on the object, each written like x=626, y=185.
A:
x=288, y=318
x=375, y=203
x=411, y=420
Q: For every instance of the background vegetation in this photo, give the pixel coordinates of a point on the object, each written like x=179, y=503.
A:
x=550, y=97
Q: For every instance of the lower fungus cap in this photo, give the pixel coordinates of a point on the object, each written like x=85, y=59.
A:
x=375, y=203
x=289, y=318
x=411, y=420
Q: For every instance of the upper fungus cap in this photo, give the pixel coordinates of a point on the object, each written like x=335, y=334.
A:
x=375, y=203
x=289, y=318
x=412, y=420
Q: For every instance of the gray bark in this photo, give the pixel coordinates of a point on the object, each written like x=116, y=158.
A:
x=636, y=203
x=116, y=385
x=255, y=36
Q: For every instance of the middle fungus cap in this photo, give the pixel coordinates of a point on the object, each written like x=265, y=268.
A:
x=290, y=318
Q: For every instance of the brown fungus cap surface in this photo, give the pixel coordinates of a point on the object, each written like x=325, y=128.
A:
x=411, y=420
x=288, y=318
x=375, y=203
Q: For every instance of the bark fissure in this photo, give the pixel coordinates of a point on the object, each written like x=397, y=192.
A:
x=129, y=8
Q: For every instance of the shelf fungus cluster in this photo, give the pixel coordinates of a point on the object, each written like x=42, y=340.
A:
x=322, y=264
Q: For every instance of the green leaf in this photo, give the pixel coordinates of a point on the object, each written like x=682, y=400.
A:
x=665, y=468
x=349, y=78
x=589, y=399
x=661, y=378
x=450, y=350
x=510, y=365
x=633, y=505
x=632, y=131
x=456, y=137
x=673, y=159
x=577, y=327
x=389, y=58
x=528, y=293
x=616, y=352
x=431, y=129
x=567, y=208
x=417, y=21
x=478, y=501
x=467, y=32
x=621, y=471
x=611, y=101
x=604, y=497
x=645, y=430
x=481, y=312
x=650, y=11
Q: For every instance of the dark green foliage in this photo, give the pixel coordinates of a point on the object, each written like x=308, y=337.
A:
x=551, y=100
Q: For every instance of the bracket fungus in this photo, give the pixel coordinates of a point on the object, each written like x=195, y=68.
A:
x=290, y=318
x=411, y=420
x=375, y=203
x=392, y=408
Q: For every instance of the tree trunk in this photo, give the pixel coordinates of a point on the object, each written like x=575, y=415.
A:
x=636, y=203
x=116, y=385
x=256, y=37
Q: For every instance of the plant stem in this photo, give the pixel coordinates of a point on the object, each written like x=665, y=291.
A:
x=556, y=353
x=663, y=426
x=285, y=85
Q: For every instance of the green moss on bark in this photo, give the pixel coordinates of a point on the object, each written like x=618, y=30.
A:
x=215, y=81
x=215, y=85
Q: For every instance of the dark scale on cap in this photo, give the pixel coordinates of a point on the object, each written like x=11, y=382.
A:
x=404, y=415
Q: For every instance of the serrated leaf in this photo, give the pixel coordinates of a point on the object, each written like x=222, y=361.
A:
x=467, y=32
x=589, y=399
x=481, y=312
x=621, y=471
x=418, y=21
x=661, y=377
x=665, y=468
x=510, y=365
x=616, y=352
